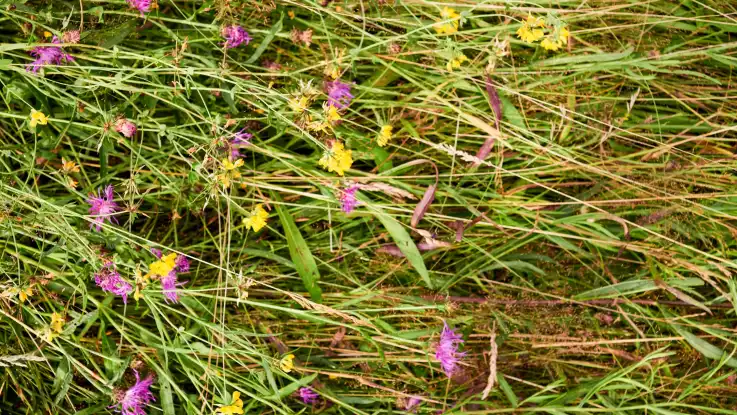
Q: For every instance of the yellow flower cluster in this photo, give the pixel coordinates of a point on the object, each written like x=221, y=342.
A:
x=384, y=136
x=235, y=407
x=163, y=266
x=56, y=326
x=230, y=172
x=456, y=62
x=533, y=30
x=337, y=159
x=287, y=363
x=257, y=220
x=451, y=27
x=38, y=117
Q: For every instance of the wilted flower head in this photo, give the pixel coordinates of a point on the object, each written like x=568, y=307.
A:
x=270, y=65
x=339, y=93
x=110, y=280
x=234, y=36
x=143, y=6
x=133, y=400
x=302, y=36
x=71, y=36
x=48, y=55
x=347, y=198
x=240, y=139
x=446, y=351
x=125, y=127
x=308, y=395
x=102, y=207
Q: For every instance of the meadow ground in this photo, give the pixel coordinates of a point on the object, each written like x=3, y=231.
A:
x=368, y=207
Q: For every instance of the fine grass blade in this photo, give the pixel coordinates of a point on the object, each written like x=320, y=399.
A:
x=405, y=244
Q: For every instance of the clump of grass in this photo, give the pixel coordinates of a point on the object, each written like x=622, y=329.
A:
x=345, y=179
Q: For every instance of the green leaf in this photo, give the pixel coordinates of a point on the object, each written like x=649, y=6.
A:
x=267, y=40
x=62, y=380
x=300, y=253
x=702, y=346
x=405, y=244
x=5, y=64
x=508, y=392
x=292, y=387
x=167, y=400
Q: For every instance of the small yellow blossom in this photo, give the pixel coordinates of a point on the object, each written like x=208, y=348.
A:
x=38, y=117
x=71, y=183
x=547, y=44
x=141, y=283
x=532, y=29
x=163, y=266
x=287, y=363
x=235, y=407
x=534, y=21
x=384, y=136
x=337, y=159
x=331, y=113
x=21, y=293
x=557, y=40
x=299, y=104
x=230, y=171
x=47, y=34
x=290, y=14
x=257, y=219
x=451, y=27
x=69, y=166
x=55, y=328
x=456, y=62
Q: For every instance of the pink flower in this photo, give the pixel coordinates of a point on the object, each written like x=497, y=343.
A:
x=240, y=139
x=446, y=351
x=143, y=6
x=71, y=36
x=234, y=36
x=102, y=207
x=169, y=287
x=339, y=93
x=110, y=280
x=182, y=263
x=347, y=198
x=308, y=396
x=412, y=403
x=125, y=127
x=133, y=401
x=48, y=55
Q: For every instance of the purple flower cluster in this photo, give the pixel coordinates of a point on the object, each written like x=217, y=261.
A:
x=347, y=198
x=48, y=55
x=143, y=6
x=138, y=396
x=110, y=280
x=240, y=139
x=308, y=396
x=102, y=206
x=446, y=351
x=234, y=36
x=339, y=93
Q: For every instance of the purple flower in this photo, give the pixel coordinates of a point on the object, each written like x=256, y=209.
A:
x=308, y=396
x=240, y=139
x=157, y=252
x=133, y=401
x=235, y=35
x=347, y=198
x=339, y=93
x=48, y=55
x=182, y=263
x=143, y=6
x=412, y=403
x=102, y=207
x=169, y=287
x=446, y=351
x=125, y=127
x=110, y=280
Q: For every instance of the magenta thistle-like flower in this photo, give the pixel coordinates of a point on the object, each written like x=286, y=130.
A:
x=48, y=55
x=157, y=252
x=240, y=140
x=308, y=395
x=339, y=93
x=110, y=280
x=102, y=206
x=143, y=6
x=182, y=263
x=125, y=127
x=446, y=351
x=169, y=287
x=234, y=36
x=412, y=403
x=347, y=198
x=137, y=397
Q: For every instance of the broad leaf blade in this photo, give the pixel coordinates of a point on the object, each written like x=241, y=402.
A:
x=405, y=244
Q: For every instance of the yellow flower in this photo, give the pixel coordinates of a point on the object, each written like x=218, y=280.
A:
x=384, y=136
x=299, y=104
x=530, y=35
x=235, y=407
x=141, y=283
x=563, y=34
x=287, y=363
x=22, y=293
x=337, y=159
x=456, y=62
x=290, y=14
x=534, y=21
x=163, y=266
x=69, y=166
x=55, y=328
x=450, y=27
x=38, y=117
x=550, y=45
x=47, y=34
x=331, y=113
x=257, y=220
x=556, y=40
x=230, y=171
